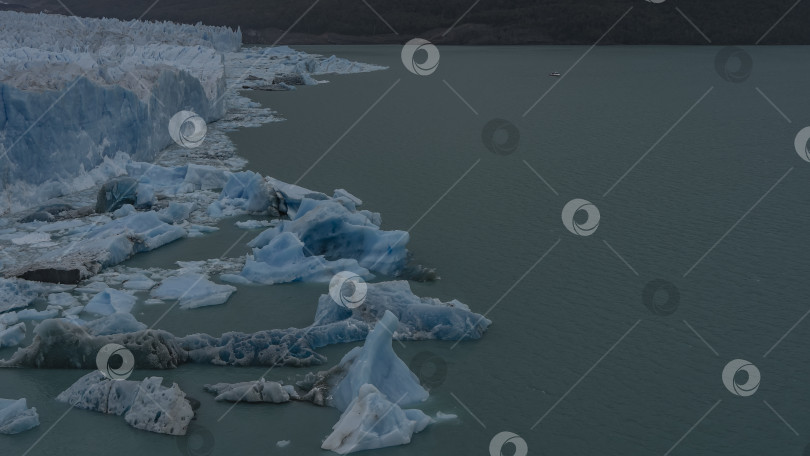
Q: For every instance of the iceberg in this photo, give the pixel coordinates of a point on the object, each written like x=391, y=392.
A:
x=138, y=282
x=36, y=315
x=16, y=417
x=116, y=323
x=329, y=228
x=374, y=363
x=324, y=237
x=419, y=318
x=360, y=386
x=372, y=421
x=283, y=260
x=415, y=318
x=62, y=300
x=193, y=290
x=12, y=336
x=110, y=301
x=15, y=294
x=101, y=245
x=60, y=343
x=257, y=391
x=145, y=405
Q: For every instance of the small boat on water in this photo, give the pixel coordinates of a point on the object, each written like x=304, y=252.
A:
x=555, y=74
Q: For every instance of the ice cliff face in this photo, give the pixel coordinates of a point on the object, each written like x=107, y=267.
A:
x=74, y=91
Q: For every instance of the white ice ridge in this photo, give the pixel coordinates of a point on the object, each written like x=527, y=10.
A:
x=145, y=405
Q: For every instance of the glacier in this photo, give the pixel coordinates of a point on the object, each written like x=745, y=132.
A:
x=138, y=74
x=146, y=405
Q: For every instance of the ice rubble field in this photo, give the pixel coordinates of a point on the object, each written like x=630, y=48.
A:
x=113, y=86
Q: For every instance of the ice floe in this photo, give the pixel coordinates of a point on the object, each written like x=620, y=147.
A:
x=257, y=391
x=193, y=290
x=146, y=405
x=16, y=417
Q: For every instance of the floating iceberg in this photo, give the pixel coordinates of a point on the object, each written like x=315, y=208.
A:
x=101, y=245
x=374, y=363
x=60, y=343
x=12, y=336
x=138, y=282
x=324, y=237
x=145, y=405
x=15, y=294
x=193, y=290
x=360, y=386
x=372, y=421
x=329, y=228
x=116, y=323
x=283, y=260
x=257, y=391
x=110, y=301
x=419, y=318
x=16, y=417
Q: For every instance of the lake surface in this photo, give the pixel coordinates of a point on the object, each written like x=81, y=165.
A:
x=574, y=362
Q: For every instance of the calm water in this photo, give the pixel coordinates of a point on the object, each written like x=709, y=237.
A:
x=554, y=328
